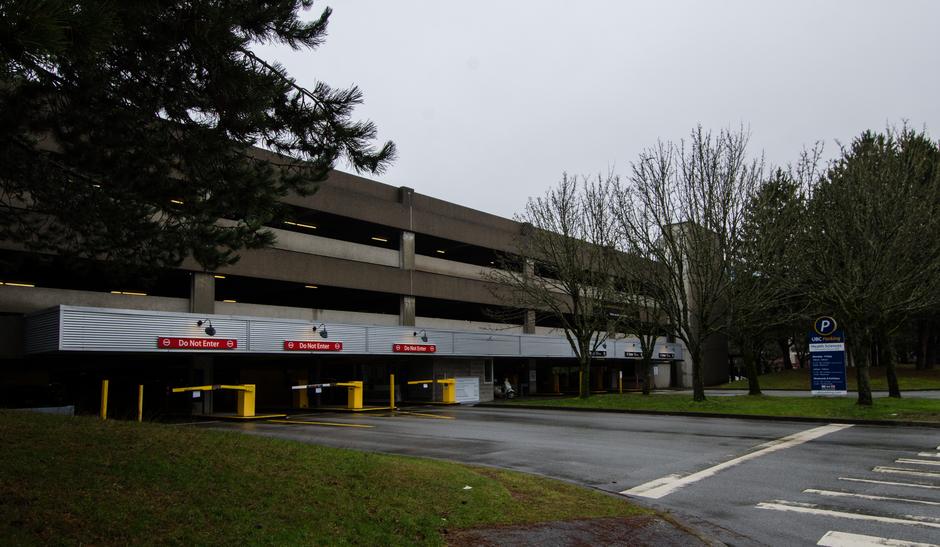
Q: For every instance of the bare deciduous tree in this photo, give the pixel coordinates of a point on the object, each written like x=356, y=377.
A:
x=684, y=208
x=567, y=253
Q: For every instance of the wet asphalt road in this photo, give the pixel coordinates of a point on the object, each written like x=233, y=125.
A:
x=839, y=482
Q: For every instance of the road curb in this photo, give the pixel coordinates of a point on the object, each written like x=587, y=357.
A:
x=800, y=389
x=807, y=419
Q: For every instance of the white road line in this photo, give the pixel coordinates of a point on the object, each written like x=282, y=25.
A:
x=836, y=494
x=891, y=483
x=664, y=486
x=843, y=539
x=811, y=509
x=916, y=462
x=929, y=454
x=900, y=471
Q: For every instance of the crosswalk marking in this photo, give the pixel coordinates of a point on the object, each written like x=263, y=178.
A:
x=916, y=462
x=664, y=486
x=843, y=539
x=836, y=494
x=891, y=483
x=929, y=454
x=902, y=471
x=811, y=509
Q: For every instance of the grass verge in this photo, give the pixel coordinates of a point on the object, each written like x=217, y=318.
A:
x=909, y=378
x=926, y=410
x=82, y=481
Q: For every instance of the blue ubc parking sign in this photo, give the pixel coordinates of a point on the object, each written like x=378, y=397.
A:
x=827, y=358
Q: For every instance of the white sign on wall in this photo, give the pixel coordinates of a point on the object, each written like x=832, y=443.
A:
x=467, y=390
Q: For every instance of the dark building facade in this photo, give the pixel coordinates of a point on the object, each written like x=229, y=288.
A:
x=365, y=280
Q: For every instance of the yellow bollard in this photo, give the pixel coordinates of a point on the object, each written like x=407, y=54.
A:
x=104, y=400
x=246, y=401
x=140, y=402
x=391, y=391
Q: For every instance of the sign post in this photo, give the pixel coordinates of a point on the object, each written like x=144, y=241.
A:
x=827, y=358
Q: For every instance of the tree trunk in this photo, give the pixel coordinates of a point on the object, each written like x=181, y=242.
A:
x=923, y=338
x=698, y=383
x=933, y=345
x=750, y=365
x=888, y=359
x=647, y=374
x=584, y=390
x=785, y=348
x=861, y=354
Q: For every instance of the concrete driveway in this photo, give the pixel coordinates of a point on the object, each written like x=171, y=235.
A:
x=746, y=482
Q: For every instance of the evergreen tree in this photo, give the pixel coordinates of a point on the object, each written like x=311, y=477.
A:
x=873, y=258
x=127, y=128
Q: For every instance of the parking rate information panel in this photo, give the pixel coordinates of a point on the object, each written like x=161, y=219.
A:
x=827, y=363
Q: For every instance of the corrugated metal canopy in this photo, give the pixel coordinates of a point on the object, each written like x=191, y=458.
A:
x=74, y=328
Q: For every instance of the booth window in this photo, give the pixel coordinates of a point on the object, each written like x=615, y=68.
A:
x=488, y=371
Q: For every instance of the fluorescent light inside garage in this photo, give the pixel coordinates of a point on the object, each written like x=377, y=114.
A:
x=300, y=225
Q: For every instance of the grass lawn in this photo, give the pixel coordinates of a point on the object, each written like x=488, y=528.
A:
x=81, y=481
x=908, y=378
x=927, y=410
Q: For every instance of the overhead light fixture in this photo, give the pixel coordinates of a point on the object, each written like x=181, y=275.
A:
x=300, y=225
x=176, y=201
x=424, y=335
x=210, y=330
x=310, y=286
x=219, y=276
x=382, y=239
x=440, y=251
x=230, y=301
x=126, y=293
x=9, y=284
x=321, y=328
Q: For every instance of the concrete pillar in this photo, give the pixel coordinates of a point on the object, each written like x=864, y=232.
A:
x=528, y=327
x=528, y=268
x=201, y=293
x=406, y=196
x=532, y=378
x=406, y=314
x=407, y=251
x=201, y=373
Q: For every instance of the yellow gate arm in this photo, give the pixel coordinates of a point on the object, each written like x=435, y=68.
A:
x=449, y=385
x=238, y=387
x=246, y=396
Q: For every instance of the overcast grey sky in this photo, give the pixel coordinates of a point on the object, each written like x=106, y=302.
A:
x=489, y=102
